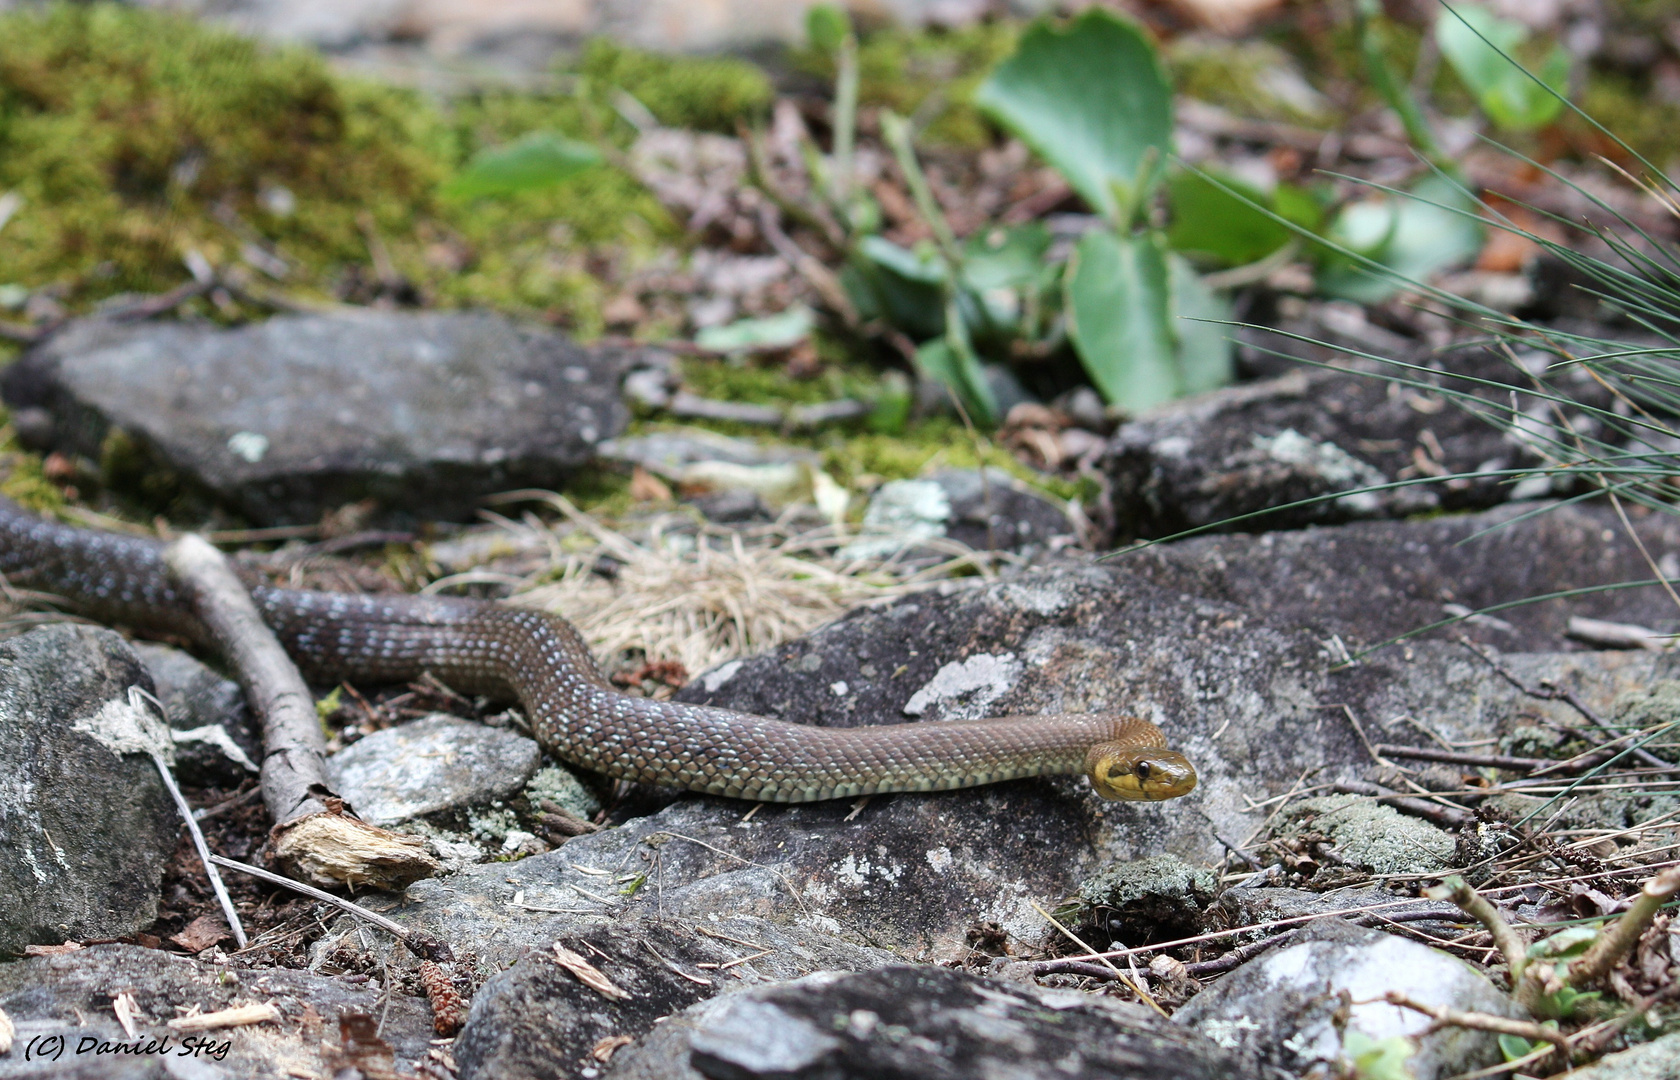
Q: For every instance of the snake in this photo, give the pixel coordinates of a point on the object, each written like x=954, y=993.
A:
x=540, y=661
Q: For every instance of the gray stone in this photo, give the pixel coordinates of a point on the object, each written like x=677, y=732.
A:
x=1282, y=1006
x=215, y=739
x=1367, y=582
x=434, y=763
x=1659, y=1060
x=1310, y=433
x=70, y=996
x=85, y=820
x=283, y=420
x=1000, y=513
x=537, y=1019
x=921, y=1023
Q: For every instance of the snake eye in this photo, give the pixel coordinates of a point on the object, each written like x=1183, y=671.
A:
x=1142, y=770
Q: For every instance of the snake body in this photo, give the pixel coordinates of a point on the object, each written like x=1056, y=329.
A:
x=480, y=646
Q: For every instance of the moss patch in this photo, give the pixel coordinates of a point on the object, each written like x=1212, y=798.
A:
x=135, y=137
x=707, y=94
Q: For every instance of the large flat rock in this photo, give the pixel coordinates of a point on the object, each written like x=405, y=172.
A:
x=424, y=413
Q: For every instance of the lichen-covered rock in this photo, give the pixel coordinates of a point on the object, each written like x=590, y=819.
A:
x=1659, y=1060
x=424, y=413
x=1285, y=1007
x=1372, y=836
x=915, y=1023
x=85, y=820
x=1162, y=891
x=434, y=763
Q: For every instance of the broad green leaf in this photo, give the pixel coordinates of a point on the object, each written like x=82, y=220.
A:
x=826, y=26
x=1091, y=99
x=540, y=159
x=921, y=266
x=1004, y=257
x=1414, y=237
x=1570, y=941
x=1473, y=39
x=1204, y=343
x=1212, y=223
x=959, y=370
x=1117, y=300
x=885, y=281
x=780, y=331
x=1378, y=1059
x=1515, y=1046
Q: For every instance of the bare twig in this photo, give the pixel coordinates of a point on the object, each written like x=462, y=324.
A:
x=421, y=944
x=216, y=884
x=1474, y=904
x=311, y=834
x=1450, y=817
x=1502, y=1025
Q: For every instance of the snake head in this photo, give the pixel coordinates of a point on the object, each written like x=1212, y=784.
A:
x=1139, y=772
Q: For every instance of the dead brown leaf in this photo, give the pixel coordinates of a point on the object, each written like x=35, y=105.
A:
x=603, y=1050
x=201, y=933
x=588, y=974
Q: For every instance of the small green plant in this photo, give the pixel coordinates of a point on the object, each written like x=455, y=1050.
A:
x=1090, y=97
x=1481, y=46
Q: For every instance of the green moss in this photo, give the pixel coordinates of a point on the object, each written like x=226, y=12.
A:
x=1249, y=78
x=903, y=70
x=136, y=136
x=21, y=477
x=122, y=129
x=1637, y=118
x=707, y=94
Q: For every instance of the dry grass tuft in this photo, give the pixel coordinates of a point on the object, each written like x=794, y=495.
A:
x=702, y=596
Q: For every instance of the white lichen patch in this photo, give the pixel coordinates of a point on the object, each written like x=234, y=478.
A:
x=940, y=859
x=967, y=688
x=714, y=679
x=1335, y=466
x=125, y=728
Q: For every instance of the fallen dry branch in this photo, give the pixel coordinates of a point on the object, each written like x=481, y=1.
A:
x=238, y=1016
x=312, y=836
x=294, y=774
x=1501, y=1025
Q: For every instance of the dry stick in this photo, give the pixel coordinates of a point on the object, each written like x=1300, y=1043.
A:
x=1116, y=973
x=1502, y=1025
x=220, y=889
x=421, y=944
x=1447, y=816
x=294, y=753
x=1478, y=907
x=310, y=835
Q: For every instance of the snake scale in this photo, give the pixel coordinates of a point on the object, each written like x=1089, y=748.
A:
x=480, y=646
